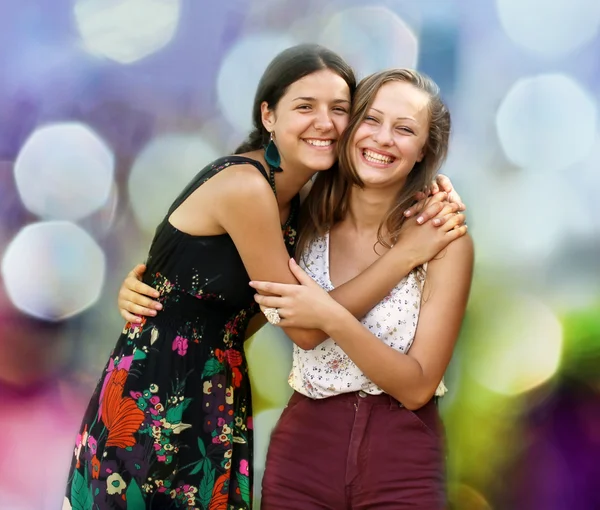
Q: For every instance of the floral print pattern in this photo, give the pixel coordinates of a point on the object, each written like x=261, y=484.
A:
x=326, y=370
x=170, y=422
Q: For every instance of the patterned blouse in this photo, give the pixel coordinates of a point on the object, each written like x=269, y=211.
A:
x=326, y=370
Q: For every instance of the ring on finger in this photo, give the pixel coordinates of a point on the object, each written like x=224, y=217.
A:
x=272, y=315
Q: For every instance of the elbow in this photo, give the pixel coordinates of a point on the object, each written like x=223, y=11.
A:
x=303, y=339
x=417, y=398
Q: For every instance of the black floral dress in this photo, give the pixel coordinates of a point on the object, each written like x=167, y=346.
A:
x=170, y=423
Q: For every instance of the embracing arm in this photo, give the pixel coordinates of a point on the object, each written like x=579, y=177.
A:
x=412, y=378
x=259, y=242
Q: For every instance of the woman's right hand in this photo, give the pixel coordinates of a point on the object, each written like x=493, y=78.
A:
x=133, y=301
x=423, y=242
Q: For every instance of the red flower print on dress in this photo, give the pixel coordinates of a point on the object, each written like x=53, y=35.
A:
x=120, y=414
x=220, y=494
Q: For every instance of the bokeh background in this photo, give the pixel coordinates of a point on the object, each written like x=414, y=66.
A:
x=107, y=109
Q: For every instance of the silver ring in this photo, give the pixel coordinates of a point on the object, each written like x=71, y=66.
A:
x=272, y=315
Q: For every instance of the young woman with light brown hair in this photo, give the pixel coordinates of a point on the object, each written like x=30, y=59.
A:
x=362, y=430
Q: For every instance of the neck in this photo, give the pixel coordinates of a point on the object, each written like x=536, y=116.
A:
x=289, y=182
x=368, y=207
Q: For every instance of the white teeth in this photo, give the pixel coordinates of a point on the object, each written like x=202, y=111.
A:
x=375, y=157
x=319, y=143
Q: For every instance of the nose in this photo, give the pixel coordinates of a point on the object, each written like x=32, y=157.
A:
x=323, y=121
x=383, y=136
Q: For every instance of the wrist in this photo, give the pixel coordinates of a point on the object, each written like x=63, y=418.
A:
x=333, y=317
x=406, y=258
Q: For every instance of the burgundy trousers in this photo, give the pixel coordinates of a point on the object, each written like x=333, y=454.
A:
x=355, y=452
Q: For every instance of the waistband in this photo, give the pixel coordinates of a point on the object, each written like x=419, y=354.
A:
x=380, y=399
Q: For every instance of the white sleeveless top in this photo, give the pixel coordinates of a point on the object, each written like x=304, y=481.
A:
x=326, y=370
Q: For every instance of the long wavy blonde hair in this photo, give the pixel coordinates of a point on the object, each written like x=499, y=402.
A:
x=328, y=201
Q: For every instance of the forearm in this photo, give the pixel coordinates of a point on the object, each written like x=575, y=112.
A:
x=395, y=373
x=359, y=295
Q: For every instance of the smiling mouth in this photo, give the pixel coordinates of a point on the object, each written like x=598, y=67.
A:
x=375, y=157
x=320, y=144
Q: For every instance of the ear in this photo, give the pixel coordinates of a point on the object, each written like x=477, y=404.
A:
x=421, y=156
x=267, y=116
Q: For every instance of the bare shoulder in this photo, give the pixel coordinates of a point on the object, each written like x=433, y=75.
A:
x=453, y=267
x=243, y=182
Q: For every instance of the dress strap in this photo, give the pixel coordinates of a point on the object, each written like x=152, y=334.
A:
x=212, y=169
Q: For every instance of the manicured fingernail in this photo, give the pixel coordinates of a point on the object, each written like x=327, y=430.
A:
x=407, y=213
x=436, y=222
x=420, y=220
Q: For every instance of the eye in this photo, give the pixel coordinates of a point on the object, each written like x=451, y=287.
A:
x=370, y=119
x=405, y=129
x=340, y=109
x=303, y=107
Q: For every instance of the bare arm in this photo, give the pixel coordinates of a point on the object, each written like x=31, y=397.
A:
x=411, y=378
x=358, y=295
x=260, y=232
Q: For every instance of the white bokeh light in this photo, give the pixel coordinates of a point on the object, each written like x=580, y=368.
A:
x=53, y=270
x=64, y=172
x=546, y=122
x=269, y=354
x=371, y=39
x=520, y=348
x=550, y=29
x=523, y=224
x=127, y=30
x=240, y=73
x=161, y=171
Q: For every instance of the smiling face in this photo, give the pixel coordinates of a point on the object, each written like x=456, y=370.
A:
x=309, y=119
x=392, y=135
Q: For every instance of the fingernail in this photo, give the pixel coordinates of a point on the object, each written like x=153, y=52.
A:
x=153, y=312
x=158, y=306
x=407, y=213
x=420, y=220
x=436, y=222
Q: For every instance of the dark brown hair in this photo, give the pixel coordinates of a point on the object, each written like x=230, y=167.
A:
x=286, y=68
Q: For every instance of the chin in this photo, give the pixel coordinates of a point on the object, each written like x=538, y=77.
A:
x=320, y=164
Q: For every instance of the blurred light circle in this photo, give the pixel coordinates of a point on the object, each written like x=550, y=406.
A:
x=520, y=347
x=264, y=423
x=523, y=225
x=64, y=172
x=371, y=39
x=101, y=222
x=53, y=270
x=161, y=171
x=550, y=29
x=466, y=497
x=546, y=122
x=126, y=30
x=241, y=71
x=269, y=354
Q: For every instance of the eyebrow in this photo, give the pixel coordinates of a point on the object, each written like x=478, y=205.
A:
x=397, y=118
x=307, y=98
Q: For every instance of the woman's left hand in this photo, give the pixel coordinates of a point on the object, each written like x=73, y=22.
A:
x=442, y=184
x=305, y=306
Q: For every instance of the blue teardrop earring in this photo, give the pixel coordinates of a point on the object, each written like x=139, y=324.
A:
x=272, y=156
